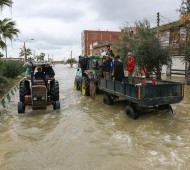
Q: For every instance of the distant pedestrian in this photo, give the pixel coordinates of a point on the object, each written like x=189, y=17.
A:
x=118, y=69
x=92, y=85
x=130, y=66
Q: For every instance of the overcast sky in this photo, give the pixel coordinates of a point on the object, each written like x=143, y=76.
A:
x=56, y=25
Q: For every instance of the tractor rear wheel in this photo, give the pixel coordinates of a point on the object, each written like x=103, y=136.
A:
x=56, y=105
x=24, y=89
x=75, y=85
x=54, y=90
x=85, y=87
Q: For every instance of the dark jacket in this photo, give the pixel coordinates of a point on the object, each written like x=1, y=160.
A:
x=118, y=71
x=106, y=65
x=39, y=75
x=49, y=71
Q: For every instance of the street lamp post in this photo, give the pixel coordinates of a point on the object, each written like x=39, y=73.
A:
x=24, y=46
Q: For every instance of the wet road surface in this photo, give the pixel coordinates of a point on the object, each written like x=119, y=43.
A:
x=89, y=135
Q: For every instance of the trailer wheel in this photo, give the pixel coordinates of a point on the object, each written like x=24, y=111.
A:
x=130, y=112
x=108, y=100
x=21, y=108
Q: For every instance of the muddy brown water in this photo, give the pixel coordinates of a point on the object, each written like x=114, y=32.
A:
x=89, y=135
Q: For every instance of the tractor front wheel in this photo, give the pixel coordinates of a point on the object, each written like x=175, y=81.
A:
x=56, y=105
x=21, y=108
x=85, y=87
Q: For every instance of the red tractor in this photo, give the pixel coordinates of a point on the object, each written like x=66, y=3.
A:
x=38, y=92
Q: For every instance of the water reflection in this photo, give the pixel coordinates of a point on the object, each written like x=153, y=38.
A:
x=87, y=134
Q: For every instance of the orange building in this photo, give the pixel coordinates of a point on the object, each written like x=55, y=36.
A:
x=88, y=37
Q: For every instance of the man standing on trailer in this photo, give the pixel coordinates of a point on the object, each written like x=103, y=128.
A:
x=130, y=67
x=118, y=69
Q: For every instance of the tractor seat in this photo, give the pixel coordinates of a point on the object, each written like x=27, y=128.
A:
x=39, y=82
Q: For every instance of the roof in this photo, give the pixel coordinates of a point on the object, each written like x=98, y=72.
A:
x=38, y=63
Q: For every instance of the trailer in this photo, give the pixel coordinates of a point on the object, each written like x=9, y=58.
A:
x=142, y=94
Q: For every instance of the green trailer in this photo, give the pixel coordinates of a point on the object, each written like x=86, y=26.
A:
x=142, y=94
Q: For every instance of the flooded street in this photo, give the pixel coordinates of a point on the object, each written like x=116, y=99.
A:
x=86, y=134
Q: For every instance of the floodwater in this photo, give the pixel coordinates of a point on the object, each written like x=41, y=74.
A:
x=89, y=135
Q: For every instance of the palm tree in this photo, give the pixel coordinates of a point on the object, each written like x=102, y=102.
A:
x=71, y=61
x=5, y=3
x=22, y=52
x=1, y=55
x=2, y=4
x=8, y=30
x=40, y=57
x=2, y=44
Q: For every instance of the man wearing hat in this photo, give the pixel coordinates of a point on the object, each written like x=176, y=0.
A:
x=118, y=69
x=39, y=74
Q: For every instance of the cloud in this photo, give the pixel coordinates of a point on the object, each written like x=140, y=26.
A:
x=56, y=25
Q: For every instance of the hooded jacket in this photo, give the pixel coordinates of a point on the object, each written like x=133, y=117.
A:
x=131, y=64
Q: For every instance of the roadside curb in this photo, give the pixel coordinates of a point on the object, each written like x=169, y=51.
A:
x=7, y=97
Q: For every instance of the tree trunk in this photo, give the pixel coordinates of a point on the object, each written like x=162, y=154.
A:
x=158, y=73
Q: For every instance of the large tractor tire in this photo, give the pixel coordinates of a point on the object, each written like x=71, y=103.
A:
x=107, y=99
x=54, y=90
x=21, y=108
x=76, y=85
x=56, y=105
x=131, y=112
x=85, y=87
x=24, y=89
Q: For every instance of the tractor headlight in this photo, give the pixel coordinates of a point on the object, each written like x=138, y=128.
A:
x=35, y=98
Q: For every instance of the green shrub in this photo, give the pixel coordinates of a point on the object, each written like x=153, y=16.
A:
x=12, y=68
x=3, y=82
x=2, y=68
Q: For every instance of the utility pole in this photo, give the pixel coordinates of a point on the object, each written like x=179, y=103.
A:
x=71, y=54
x=158, y=23
x=24, y=46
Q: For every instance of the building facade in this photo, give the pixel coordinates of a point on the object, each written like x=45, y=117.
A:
x=176, y=36
x=89, y=37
